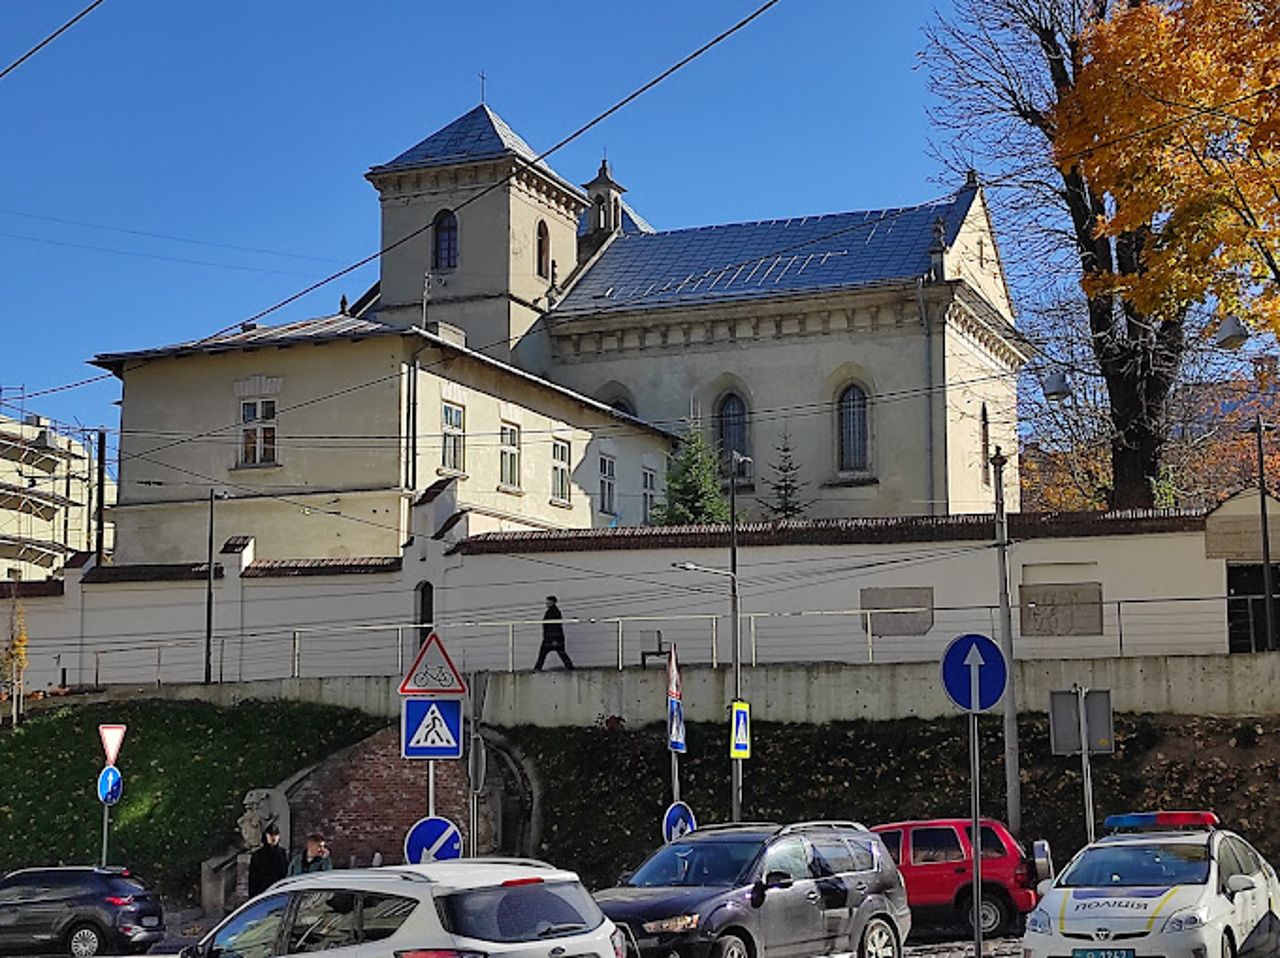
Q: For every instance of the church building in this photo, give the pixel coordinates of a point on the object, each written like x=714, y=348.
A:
x=537, y=347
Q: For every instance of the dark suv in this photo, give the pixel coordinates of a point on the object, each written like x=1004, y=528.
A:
x=764, y=891
x=79, y=911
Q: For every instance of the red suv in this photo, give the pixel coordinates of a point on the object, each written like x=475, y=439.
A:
x=935, y=857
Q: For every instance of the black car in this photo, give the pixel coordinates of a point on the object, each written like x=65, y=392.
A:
x=764, y=891
x=78, y=911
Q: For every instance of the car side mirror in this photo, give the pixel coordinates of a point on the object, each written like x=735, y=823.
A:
x=757, y=893
x=1239, y=883
x=1042, y=889
x=778, y=879
x=190, y=951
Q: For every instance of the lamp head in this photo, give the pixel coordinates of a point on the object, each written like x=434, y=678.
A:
x=1231, y=334
x=1057, y=386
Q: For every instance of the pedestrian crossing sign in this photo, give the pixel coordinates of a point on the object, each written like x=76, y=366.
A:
x=740, y=731
x=431, y=728
x=675, y=726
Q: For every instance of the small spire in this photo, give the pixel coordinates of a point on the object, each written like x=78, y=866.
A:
x=342, y=305
x=939, y=243
x=971, y=179
x=482, y=79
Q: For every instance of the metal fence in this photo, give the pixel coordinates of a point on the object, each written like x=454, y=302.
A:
x=1127, y=627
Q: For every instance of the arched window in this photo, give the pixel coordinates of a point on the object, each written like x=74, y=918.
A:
x=617, y=212
x=444, y=249
x=602, y=214
x=731, y=429
x=426, y=610
x=852, y=415
x=544, y=250
x=623, y=406
x=986, y=447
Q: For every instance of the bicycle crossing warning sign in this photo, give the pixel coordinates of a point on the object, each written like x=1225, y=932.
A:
x=433, y=672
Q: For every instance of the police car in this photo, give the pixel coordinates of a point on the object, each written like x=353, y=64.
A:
x=1163, y=885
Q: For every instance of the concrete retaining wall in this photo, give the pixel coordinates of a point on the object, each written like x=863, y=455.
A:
x=1223, y=685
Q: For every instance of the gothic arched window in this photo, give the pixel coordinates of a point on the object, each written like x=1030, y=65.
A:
x=544, y=250
x=731, y=428
x=851, y=413
x=444, y=248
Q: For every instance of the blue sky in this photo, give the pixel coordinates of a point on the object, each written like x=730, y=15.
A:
x=238, y=133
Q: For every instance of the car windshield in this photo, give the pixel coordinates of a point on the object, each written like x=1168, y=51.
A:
x=704, y=862
x=1154, y=863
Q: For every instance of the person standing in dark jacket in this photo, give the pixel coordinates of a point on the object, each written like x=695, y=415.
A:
x=552, y=636
x=269, y=863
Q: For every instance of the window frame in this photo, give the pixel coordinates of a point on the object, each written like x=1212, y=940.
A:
x=561, y=487
x=732, y=426
x=608, y=484
x=853, y=400
x=542, y=250
x=509, y=456
x=259, y=445
x=453, y=439
x=444, y=240
x=648, y=493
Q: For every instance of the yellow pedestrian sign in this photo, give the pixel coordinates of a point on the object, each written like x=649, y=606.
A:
x=740, y=731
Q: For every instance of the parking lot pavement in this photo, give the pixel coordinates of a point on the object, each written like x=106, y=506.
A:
x=961, y=948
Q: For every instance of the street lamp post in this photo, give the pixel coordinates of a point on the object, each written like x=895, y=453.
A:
x=1268, y=586
x=208, y=602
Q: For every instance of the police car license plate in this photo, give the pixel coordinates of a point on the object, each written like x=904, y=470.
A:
x=1101, y=953
x=150, y=921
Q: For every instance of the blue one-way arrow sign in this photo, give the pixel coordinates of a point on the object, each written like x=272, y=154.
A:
x=974, y=672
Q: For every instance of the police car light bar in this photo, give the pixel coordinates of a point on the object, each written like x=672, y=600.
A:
x=1137, y=820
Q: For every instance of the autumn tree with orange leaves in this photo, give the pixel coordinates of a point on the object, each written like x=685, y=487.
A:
x=1175, y=117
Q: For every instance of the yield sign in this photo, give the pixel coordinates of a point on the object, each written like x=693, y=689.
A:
x=432, y=672
x=673, y=674
x=112, y=736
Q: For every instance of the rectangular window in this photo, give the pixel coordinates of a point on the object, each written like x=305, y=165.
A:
x=510, y=464
x=560, y=470
x=607, y=483
x=453, y=430
x=258, y=432
x=649, y=481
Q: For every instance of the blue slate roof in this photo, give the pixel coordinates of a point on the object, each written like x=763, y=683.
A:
x=771, y=258
x=479, y=134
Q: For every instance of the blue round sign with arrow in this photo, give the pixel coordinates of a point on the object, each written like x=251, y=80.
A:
x=110, y=785
x=974, y=672
x=432, y=839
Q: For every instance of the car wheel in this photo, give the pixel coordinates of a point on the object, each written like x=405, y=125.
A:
x=994, y=915
x=1228, y=946
x=879, y=941
x=85, y=941
x=730, y=946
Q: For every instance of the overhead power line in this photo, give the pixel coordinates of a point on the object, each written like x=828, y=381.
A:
x=49, y=39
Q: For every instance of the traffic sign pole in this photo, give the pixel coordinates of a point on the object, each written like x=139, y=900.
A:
x=431, y=788
x=106, y=825
x=975, y=836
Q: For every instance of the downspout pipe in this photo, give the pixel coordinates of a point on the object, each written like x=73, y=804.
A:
x=928, y=396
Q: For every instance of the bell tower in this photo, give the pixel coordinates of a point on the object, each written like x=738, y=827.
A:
x=472, y=225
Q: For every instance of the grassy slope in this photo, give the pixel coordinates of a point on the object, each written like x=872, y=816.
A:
x=607, y=786
x=186, y=767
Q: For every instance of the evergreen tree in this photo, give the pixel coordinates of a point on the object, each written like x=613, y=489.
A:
x=785, y=487
x=693, y=484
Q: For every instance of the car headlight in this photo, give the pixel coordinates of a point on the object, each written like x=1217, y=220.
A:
x=1188, y=920
x=679, y=923
x=1038, y=922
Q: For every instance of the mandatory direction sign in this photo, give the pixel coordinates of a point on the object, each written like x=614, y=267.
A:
x=974, y=672
x=431, y=728
x=677, y=820
x=432, y=839
x=110, y=785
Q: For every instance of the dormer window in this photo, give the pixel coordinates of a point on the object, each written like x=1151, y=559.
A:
x=444, y=235
x=602, y=213
x=543, y=249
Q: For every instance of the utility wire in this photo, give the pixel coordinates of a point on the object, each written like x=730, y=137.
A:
x=47, y=40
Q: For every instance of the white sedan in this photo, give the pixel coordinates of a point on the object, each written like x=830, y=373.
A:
x=1164, y=885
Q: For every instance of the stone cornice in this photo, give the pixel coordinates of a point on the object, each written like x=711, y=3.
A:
x=431, y=181
x=882, y=309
